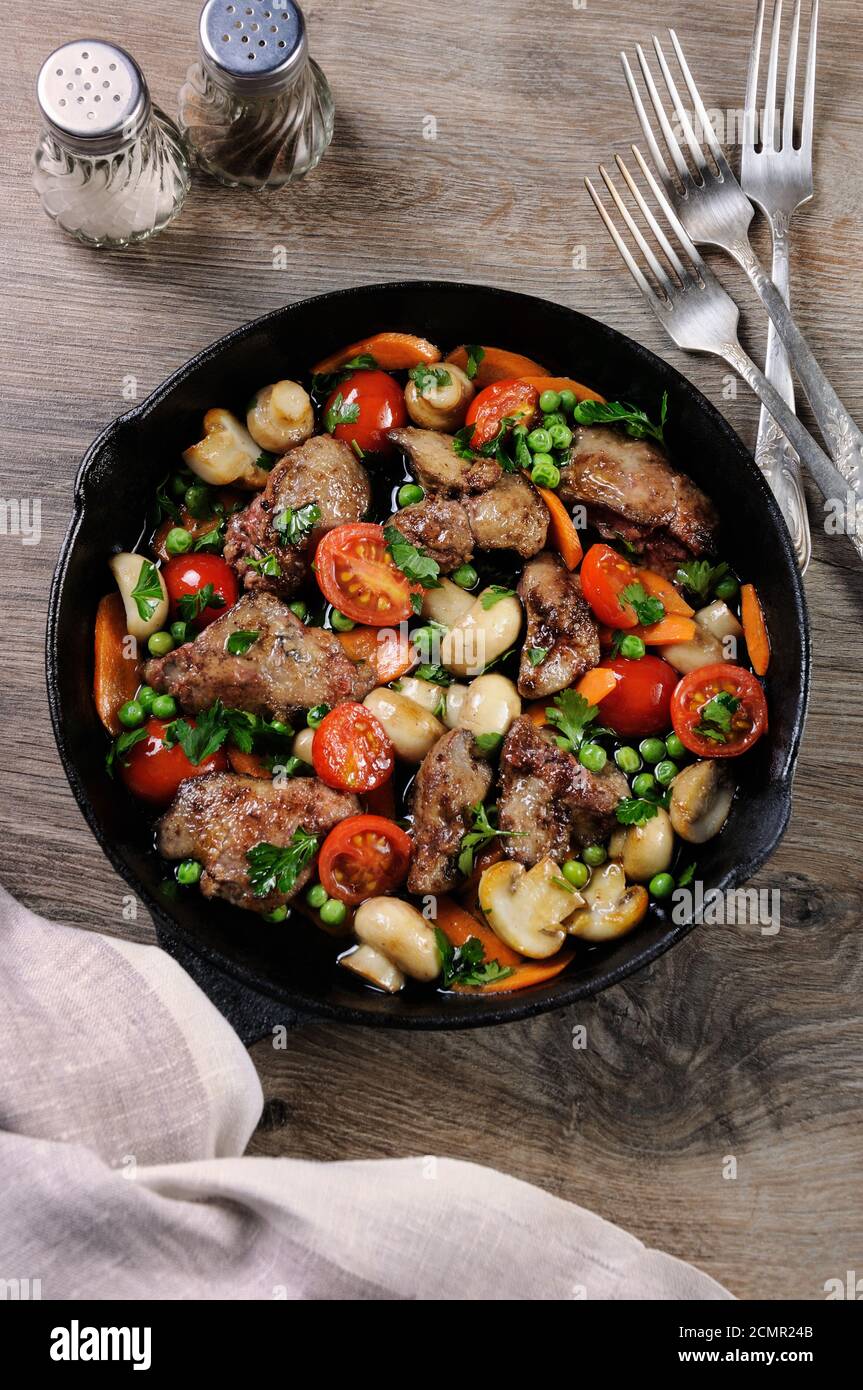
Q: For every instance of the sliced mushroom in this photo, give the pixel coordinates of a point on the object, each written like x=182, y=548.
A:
x=281, y=416
x=374, y=967
x=482, y=635
x=226, y=454
x=411, y=730
x=525, y=907
x=446, y=604
x=649, y=848
x=423, y=693
x=400, y=933
x=701, y=797
x=702, y=650
x=443, y=401
x=491, y=705
x=128, y=570
x=612, y=908
x=718, y=620
x=454, y=704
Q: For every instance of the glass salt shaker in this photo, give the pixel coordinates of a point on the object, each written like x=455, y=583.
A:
x=256, y=109
x=110, y=167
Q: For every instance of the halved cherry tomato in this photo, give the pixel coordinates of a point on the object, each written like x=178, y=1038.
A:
x=364, y=856
x=604, y=574
x=189, y=574
x=747, y=722
x=153, y=771
x=357, y=576
x=351, y=751
x=381, y=404
x=517, y=400
x=641, y=701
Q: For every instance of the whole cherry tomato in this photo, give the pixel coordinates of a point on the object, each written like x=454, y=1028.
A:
x=356, y=574
x=187, y=576
x=362, y=857
x=604, y=576
x=718, y=711
x=153, y=771
x=641, y=700
x=363, y=407
x=351, y=751
x=514, y=400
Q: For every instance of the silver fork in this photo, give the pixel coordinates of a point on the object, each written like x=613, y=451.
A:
x=715, y=211
x=778, y=180
x=700, y=317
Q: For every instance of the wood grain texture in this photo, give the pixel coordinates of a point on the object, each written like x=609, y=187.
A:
x=733, y=1045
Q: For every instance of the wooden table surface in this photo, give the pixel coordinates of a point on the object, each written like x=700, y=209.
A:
x=734, y=1045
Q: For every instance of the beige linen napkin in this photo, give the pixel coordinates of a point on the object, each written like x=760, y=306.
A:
x=126, y=1102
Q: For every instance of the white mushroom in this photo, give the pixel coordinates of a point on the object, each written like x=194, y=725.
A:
x=454, y=704
x=442, y=402
x=490, y=706
x=482, y=634
x=302, y=745
x=701, y=650
x=648, y=849
x=411, y=730
x=374, y=967
x=526, y=907
x=718, y=619
x=281, y=416
x=446, y=604
x=612, y=908
x=423, y=693
x=226, y=454
x=701, y=797
x=400, y=933
x=143, y=592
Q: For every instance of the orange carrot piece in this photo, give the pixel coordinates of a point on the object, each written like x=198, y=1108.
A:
x=532, y=972
x=660, y=587
x=535, y=712
x=562, y=532
x=596, y=684
x=564, y=383
x=116, y=677
x=672, y=628
x=391, y=656
x=754, y=629
x=457, y=925
x=249, y=764
x=393, y=352
x=498, y=365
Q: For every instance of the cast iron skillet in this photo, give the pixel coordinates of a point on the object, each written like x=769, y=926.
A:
x=294, y=966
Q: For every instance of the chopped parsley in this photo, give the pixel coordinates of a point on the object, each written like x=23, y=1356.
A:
x=536, y=655
x=636, y=810
x=427, y=378
x=475, y=354
x=121, y=746
x=571, y=714
x=419, y=567
x=482, y=831
x=191, y=606
x=488, y=743
x=700, y=578
x=165, y=505
x=293, y=525
x=493, y=448
x=687, y=876
x=212, y=540
x=275, y=868
x=494, y=594
x=148, y=593
x=267, y=565
x=648, y=609
x=214, y=725
x=635, y=422
x=340, y=414
x=324, y=383
x=466, y=964
x=437, y=675
x=239, y=642
x=521, y=453
x=715, y=717
x=265, y=460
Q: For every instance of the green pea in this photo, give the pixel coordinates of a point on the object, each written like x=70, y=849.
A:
x=165, y=707
x=539, y=441
x=594, y=855
x=278, y=726
x=189, y=872
x=316, y=896
x=160, y=643
x=278, y=914
x=661, y=885
x=591, y=756
x=643, y=783
x=180, y=632
x=674, y=748
x=333, y=912
x=465, y=576
x=340, y=623
x=665, y=772
x=549, y=400
x=567, y=400
x=317, y=715
x=545, y=472
x=652, y=750
x=549, y=421
x=145, y=697
x=727, y=588
x=131, y=714
x=300, y=609
x=627, y=759
x=178, y=540
x=410, y=494
x=197, y=500
x=561, y=436
x=576, y=873
x=632, y=647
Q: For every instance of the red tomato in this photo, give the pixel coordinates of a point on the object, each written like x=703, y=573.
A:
x=516, y=399
x=364, y=856
x=381, y=404
x=153, y=771
x=189, y=574
x=356, y=574
x=351, y=751
x=746, y=723
x=604, y=573
x=641, y=701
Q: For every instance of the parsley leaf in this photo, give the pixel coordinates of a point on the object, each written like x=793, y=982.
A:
x=165, y=505
x=201, y=740
x=475, y=354
x=437, y=675
x=483, y=829
x=274, y=868
x=648, y=609
x=267, y=565
x=493, y=448
x=571, y=714
x=341, y=414
x=191, y=606
x=636, y=423
x=488, y=743
x=466, y=964
x=635, y=810
x=715, y=717
x=522, y=454
x=536, y=655
x=239, y=642
x=427, y=378
x=687, y=876
x=413, y=562
x=294, y=526
x=212, y=540
x=122, y=745
x=699, y=577
x=148, y=592
x=494, y=594
x=265, y=460
x=324, y=383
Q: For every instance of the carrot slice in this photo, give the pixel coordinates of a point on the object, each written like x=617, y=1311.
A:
x=392, y=351
x=754, y=629
x=535, y=712
x=562, y=530
x=564, y=383
x=116, y=676
x=672, y=628
x=660, y=587
x=457, y=925
x=498, y=364
x=531, y=972
x=249, y=764
x=596, y=684
x=391, y=656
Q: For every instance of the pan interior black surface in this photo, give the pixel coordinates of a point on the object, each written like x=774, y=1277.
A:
x=295, y=965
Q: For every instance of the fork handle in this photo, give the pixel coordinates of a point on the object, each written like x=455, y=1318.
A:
x=845, y=498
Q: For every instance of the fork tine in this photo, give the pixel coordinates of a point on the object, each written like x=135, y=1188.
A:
x=659, y=306
x=669, y=251
x=667, y=133
x=659, y=271
x=679, y=110
x=750, y=110
x=767, y=138
x=673, y=220
x=809, y=93
x=698, y=106
x=646, y=128
x=790, y=80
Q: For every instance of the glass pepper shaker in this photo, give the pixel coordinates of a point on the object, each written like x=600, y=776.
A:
x=110, y=167
x=256, y=109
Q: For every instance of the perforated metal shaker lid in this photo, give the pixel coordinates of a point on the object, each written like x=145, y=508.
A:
x=93, y=96
x=252, y=46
